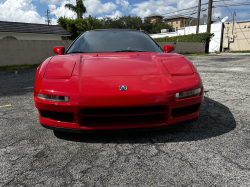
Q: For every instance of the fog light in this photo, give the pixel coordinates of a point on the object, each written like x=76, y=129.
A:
x=53, y=97
x=187, y=93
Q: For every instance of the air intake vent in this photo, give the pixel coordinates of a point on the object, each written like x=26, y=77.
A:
x=122, y=116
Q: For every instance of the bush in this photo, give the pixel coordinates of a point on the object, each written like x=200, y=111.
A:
x=160, y=39
x=201, y=37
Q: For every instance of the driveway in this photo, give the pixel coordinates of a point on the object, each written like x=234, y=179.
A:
x=211, y=151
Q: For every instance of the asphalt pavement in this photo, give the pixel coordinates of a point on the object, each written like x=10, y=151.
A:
x=211, y=151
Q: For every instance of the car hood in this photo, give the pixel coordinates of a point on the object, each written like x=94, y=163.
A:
x=116, y=64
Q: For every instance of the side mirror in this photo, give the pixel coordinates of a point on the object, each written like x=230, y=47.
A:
x=168, y=48
x=59, y=50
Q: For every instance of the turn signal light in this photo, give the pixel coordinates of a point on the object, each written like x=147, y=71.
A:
x=187, y=93
x=53, y=97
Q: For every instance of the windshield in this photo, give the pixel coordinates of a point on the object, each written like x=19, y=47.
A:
x=114, y=41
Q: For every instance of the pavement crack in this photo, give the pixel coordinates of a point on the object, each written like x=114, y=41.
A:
x=229, y=160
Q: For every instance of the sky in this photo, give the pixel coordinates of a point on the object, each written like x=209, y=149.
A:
x=33, y=11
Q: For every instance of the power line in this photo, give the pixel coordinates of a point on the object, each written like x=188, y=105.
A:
x=243, y=33
x=183, y=9
x=233, y=14
x=189, y=8
x=227, y=7
x=192, y=12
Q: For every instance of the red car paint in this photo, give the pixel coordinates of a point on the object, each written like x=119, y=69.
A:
x=92, y=80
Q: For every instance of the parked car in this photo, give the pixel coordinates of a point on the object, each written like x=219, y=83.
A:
x=116, y=79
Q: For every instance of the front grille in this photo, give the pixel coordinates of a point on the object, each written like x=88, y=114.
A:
x=143, y=115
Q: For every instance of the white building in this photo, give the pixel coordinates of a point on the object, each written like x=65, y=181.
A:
x=31, y=31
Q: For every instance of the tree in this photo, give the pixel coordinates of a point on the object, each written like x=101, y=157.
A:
x=79, y=25
x=123, y=22
x=79, y=8
x=158, y=26
x=88, y=23
x=147, y=25
x=70, y=26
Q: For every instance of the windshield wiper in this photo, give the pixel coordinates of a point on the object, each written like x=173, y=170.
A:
x=77, y=52
x=127, y=50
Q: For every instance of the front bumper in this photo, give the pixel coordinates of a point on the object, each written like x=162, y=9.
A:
x=70, y=117
x=149, y=101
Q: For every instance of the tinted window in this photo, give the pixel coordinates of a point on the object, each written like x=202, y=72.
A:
x=114, y=41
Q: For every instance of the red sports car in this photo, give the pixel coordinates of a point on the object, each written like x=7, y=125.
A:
x=116, y=79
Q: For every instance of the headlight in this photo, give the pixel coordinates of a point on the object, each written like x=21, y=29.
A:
x=187, y=93
x=53, y=97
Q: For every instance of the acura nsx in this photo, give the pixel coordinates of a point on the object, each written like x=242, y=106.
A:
x=116, y=79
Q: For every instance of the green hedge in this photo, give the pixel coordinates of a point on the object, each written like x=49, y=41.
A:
x=201, y=37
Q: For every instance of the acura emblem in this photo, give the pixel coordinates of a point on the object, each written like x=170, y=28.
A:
x=123, y=87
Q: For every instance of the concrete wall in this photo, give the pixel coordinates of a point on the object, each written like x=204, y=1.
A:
x=31, y=36
x=185, y=47
x=16, y=52
x=27, y=51
x=236, y=36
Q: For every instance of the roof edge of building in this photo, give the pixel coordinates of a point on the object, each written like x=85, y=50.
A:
x=35, y=28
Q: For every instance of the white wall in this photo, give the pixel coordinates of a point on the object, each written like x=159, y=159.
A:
x=216, y=28
x=162, y=35
x=30, y=36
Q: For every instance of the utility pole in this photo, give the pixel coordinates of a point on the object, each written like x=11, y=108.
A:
x=234, y=14
x=198, y=17
x=47, y=15
x=209, y=24
x=184, y=25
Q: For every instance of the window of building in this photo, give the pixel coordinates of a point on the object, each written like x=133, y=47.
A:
x=172, y=22
x=182, y=22
x=177, y=22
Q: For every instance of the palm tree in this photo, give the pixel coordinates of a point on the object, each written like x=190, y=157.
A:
x=79, y=9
